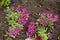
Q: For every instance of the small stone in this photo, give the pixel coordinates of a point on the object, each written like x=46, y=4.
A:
x=58, y=37
x=22, y=32
x=12, y=36
x=40, y=5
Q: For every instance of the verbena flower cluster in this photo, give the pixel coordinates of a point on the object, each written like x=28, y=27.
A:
x=14, y=31
x=50, y=16
x=24, y=16
x=31, y=28
x=36, y=30
x=16, y=19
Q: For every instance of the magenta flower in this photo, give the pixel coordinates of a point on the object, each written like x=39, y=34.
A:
x=42, y=22
x=38, y=37
x=31, y=28
x=15, y=31
x=25, y=15
x=50, y=35
x=44, y=13
x=53, y=19
x=50, y=15
x=22, y=20
x=24, y=10
x=18, y=29
x=30, y=34
x=32, y=23
x=17, y=9
x=12, y=31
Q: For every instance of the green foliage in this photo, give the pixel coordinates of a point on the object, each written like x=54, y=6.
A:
x=41, y=31
x=48, y=23
x=12, y=17
x=7, y=34
x=33, y=38
x=4, y=2
x=44, y=35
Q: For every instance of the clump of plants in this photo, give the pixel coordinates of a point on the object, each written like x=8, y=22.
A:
x=38, y=30
x=6, y=2
x=17, y=18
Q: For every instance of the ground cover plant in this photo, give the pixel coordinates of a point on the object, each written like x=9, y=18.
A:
x=29, y=20
x=17, y=18
x=6, y=2
x=38, y=30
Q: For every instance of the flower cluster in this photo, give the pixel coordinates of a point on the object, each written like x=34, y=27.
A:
x=14, y=31
x=16, y=18
x=18, y=9
x=39, y=28
x=25, y=13
x=42, y=22
x=31, y=28
x=36, y=30
x=22, y=20
x=50, y=16
x=24, y=16
x=46, y=19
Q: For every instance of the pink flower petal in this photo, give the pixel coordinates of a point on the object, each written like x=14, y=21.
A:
x=12, y=31
x=18, y=29
x=42, y=22
x=31, y=28
x=24, y=10
x=17, y=9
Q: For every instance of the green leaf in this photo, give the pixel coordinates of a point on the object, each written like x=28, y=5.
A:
x=6, y=35
x=33, y=38
x=4, y=2
x=7, y=2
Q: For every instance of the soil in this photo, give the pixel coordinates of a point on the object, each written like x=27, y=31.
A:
x=34, y=7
